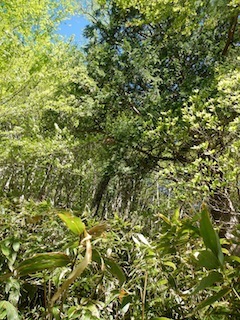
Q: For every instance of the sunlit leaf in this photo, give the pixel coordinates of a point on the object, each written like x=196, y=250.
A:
x=175, y=217
x=164, y=218
x=125, y=308
x=16, y=246
x=234, y=258
x=5, y=250
x=162, y=282
x=136, y=240
x=9, y=309
x=41, y=262
x=170, y=264
x=3, y=314
x=143, y=239
x=73, y=223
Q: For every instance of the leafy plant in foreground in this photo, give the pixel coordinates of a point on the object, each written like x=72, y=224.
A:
x=51, y=267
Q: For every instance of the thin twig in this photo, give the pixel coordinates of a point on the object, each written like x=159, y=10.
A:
x=144, y=295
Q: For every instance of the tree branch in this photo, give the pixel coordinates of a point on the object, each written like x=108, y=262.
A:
x=231, y=33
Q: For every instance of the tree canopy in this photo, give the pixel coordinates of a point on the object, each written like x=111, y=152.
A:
x=162, y=91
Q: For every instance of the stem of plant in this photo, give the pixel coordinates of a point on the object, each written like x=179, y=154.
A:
x=144, y=295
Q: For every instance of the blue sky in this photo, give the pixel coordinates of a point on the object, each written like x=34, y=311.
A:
x=74, y=27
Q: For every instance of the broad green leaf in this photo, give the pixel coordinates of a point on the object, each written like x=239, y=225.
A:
x=115, y=270
x=208, y=260
x=208, y=281
x=209, y=301
x=210, y=237
x=73, y=223
x=11, y=311
x=41, y=262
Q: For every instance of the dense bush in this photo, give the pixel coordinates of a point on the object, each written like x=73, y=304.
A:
x=179, y=270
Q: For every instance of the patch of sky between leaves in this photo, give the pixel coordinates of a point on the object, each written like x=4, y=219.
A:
x=72, y=28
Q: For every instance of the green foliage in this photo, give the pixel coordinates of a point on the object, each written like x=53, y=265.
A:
x=210, y=236
x=165, y=102
x=41, y=262
x=146, y=120
x=8, y=310
x=73, y=223
x=126, y=259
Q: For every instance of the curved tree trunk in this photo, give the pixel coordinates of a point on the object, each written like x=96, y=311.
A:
x=100, y=191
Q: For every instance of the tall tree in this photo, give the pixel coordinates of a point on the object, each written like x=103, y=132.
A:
x=162, y=102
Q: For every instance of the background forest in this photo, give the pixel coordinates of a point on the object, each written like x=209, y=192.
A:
x=120, y=161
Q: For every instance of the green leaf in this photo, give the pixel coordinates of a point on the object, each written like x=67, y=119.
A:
x=210, y=237
x=209, y=301
x=125, y=308
x=16, y=246
x=175, y=217
x=11, y=311
x=3, y=314
x=73, y=223
x=96, y=256
x=170, y=264
x=164, y=218
x=208, y=260
x=234, y=258
x=5, y=250
x=162, y=282
x=143, y=239
x=115, y=270
x=208, y=281
x=41, y=262
x=56, y=313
